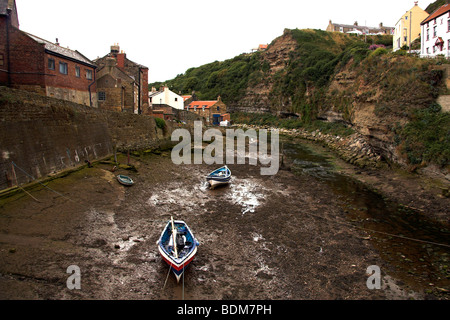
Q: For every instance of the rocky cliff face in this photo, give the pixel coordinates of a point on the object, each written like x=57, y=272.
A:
x=275, y=58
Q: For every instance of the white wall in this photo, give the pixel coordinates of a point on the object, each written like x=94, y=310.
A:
x=442, y=30
x=168, y=97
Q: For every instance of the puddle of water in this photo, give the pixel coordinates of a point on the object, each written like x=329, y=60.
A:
x=420, y=262
x=248, y=195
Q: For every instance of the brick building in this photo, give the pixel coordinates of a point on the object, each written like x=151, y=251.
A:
x=134, y=70
x=213, y=111
x=31, y=63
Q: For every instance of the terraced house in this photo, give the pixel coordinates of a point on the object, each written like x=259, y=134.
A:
x=29, y=62
x=436, y=31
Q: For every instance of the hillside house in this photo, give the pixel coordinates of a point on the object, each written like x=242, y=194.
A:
x=213, y=111
x=357, y=29
x=436, y=31
x=137, y=72
x=407, y=28
x=31, y=63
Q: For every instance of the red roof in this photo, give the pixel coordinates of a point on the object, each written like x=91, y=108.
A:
x=439, y=12
x=185, y=97
x=200, y=104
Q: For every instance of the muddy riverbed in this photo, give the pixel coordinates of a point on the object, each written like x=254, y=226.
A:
x=290, y=236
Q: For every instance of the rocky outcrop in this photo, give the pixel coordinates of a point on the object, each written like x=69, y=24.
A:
x=274, y=59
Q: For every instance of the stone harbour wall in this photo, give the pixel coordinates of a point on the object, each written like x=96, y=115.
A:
x=42, y=135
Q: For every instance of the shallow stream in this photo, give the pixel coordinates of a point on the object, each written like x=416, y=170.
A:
x=417, y=249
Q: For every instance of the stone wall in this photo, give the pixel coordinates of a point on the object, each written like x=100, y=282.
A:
x=43, y=135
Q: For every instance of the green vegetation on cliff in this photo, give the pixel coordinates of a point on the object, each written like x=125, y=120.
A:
x=318, y=72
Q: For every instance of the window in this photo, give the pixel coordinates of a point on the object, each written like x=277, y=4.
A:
x=101, y=96
x=89, y=74
x=218, y=108
x=428, y=50
x=77, y=71
x=428, y=34
x=176, y=99
x=448, y=25
x=63, y=68
x=51, y=64
x=434, y=32
x=406, y=18
x=195, y=108
x=203, y=108
x=448, y=45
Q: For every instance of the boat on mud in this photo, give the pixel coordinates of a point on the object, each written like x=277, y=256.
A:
x=219, y=177
x=125, y=180
x=177, y=246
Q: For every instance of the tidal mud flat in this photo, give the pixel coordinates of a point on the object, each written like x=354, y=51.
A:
x=285, y=237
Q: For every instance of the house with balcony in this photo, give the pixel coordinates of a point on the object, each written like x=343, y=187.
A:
x=436, y=31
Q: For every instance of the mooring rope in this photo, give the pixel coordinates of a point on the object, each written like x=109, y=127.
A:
x=29, y=175
x=381, y=232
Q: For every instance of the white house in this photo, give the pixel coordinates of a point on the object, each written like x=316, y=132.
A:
x=436, y=33
x=167, y=97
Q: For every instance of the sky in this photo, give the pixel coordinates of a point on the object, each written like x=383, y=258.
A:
x=171, y=36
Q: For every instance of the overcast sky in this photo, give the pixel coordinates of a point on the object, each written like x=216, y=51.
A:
x=171, y=36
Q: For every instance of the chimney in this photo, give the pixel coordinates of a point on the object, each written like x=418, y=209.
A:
x=416, y=3
x=115, y=49
x=356, y=23
x=121, y=59
x=57, y=43
x=381, y=25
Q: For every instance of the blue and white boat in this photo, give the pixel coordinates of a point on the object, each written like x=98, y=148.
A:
x=177, y=246
x=219, y=176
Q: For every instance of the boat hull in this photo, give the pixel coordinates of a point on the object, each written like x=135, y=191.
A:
x=215, y=183
x=177, y=268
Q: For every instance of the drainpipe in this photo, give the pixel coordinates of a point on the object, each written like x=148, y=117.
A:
x=139, y=94
x=89, y=88
x=8, y=21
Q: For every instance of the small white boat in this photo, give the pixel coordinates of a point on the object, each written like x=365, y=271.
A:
x=219, y=177
x=125, y=180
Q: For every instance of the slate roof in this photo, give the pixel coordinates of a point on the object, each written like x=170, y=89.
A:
x=66, y=52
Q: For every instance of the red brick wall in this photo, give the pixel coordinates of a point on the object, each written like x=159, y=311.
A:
x=26, y=60
x=56, y=79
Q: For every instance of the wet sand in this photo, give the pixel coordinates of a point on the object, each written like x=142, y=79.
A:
x=279, y=237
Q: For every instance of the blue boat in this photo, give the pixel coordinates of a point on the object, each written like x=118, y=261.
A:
x=177, y=246
x=219, y=176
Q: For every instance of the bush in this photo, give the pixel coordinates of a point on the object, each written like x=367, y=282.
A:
x=160, y=123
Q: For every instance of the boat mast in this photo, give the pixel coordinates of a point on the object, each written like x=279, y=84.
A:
x=174, y=235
